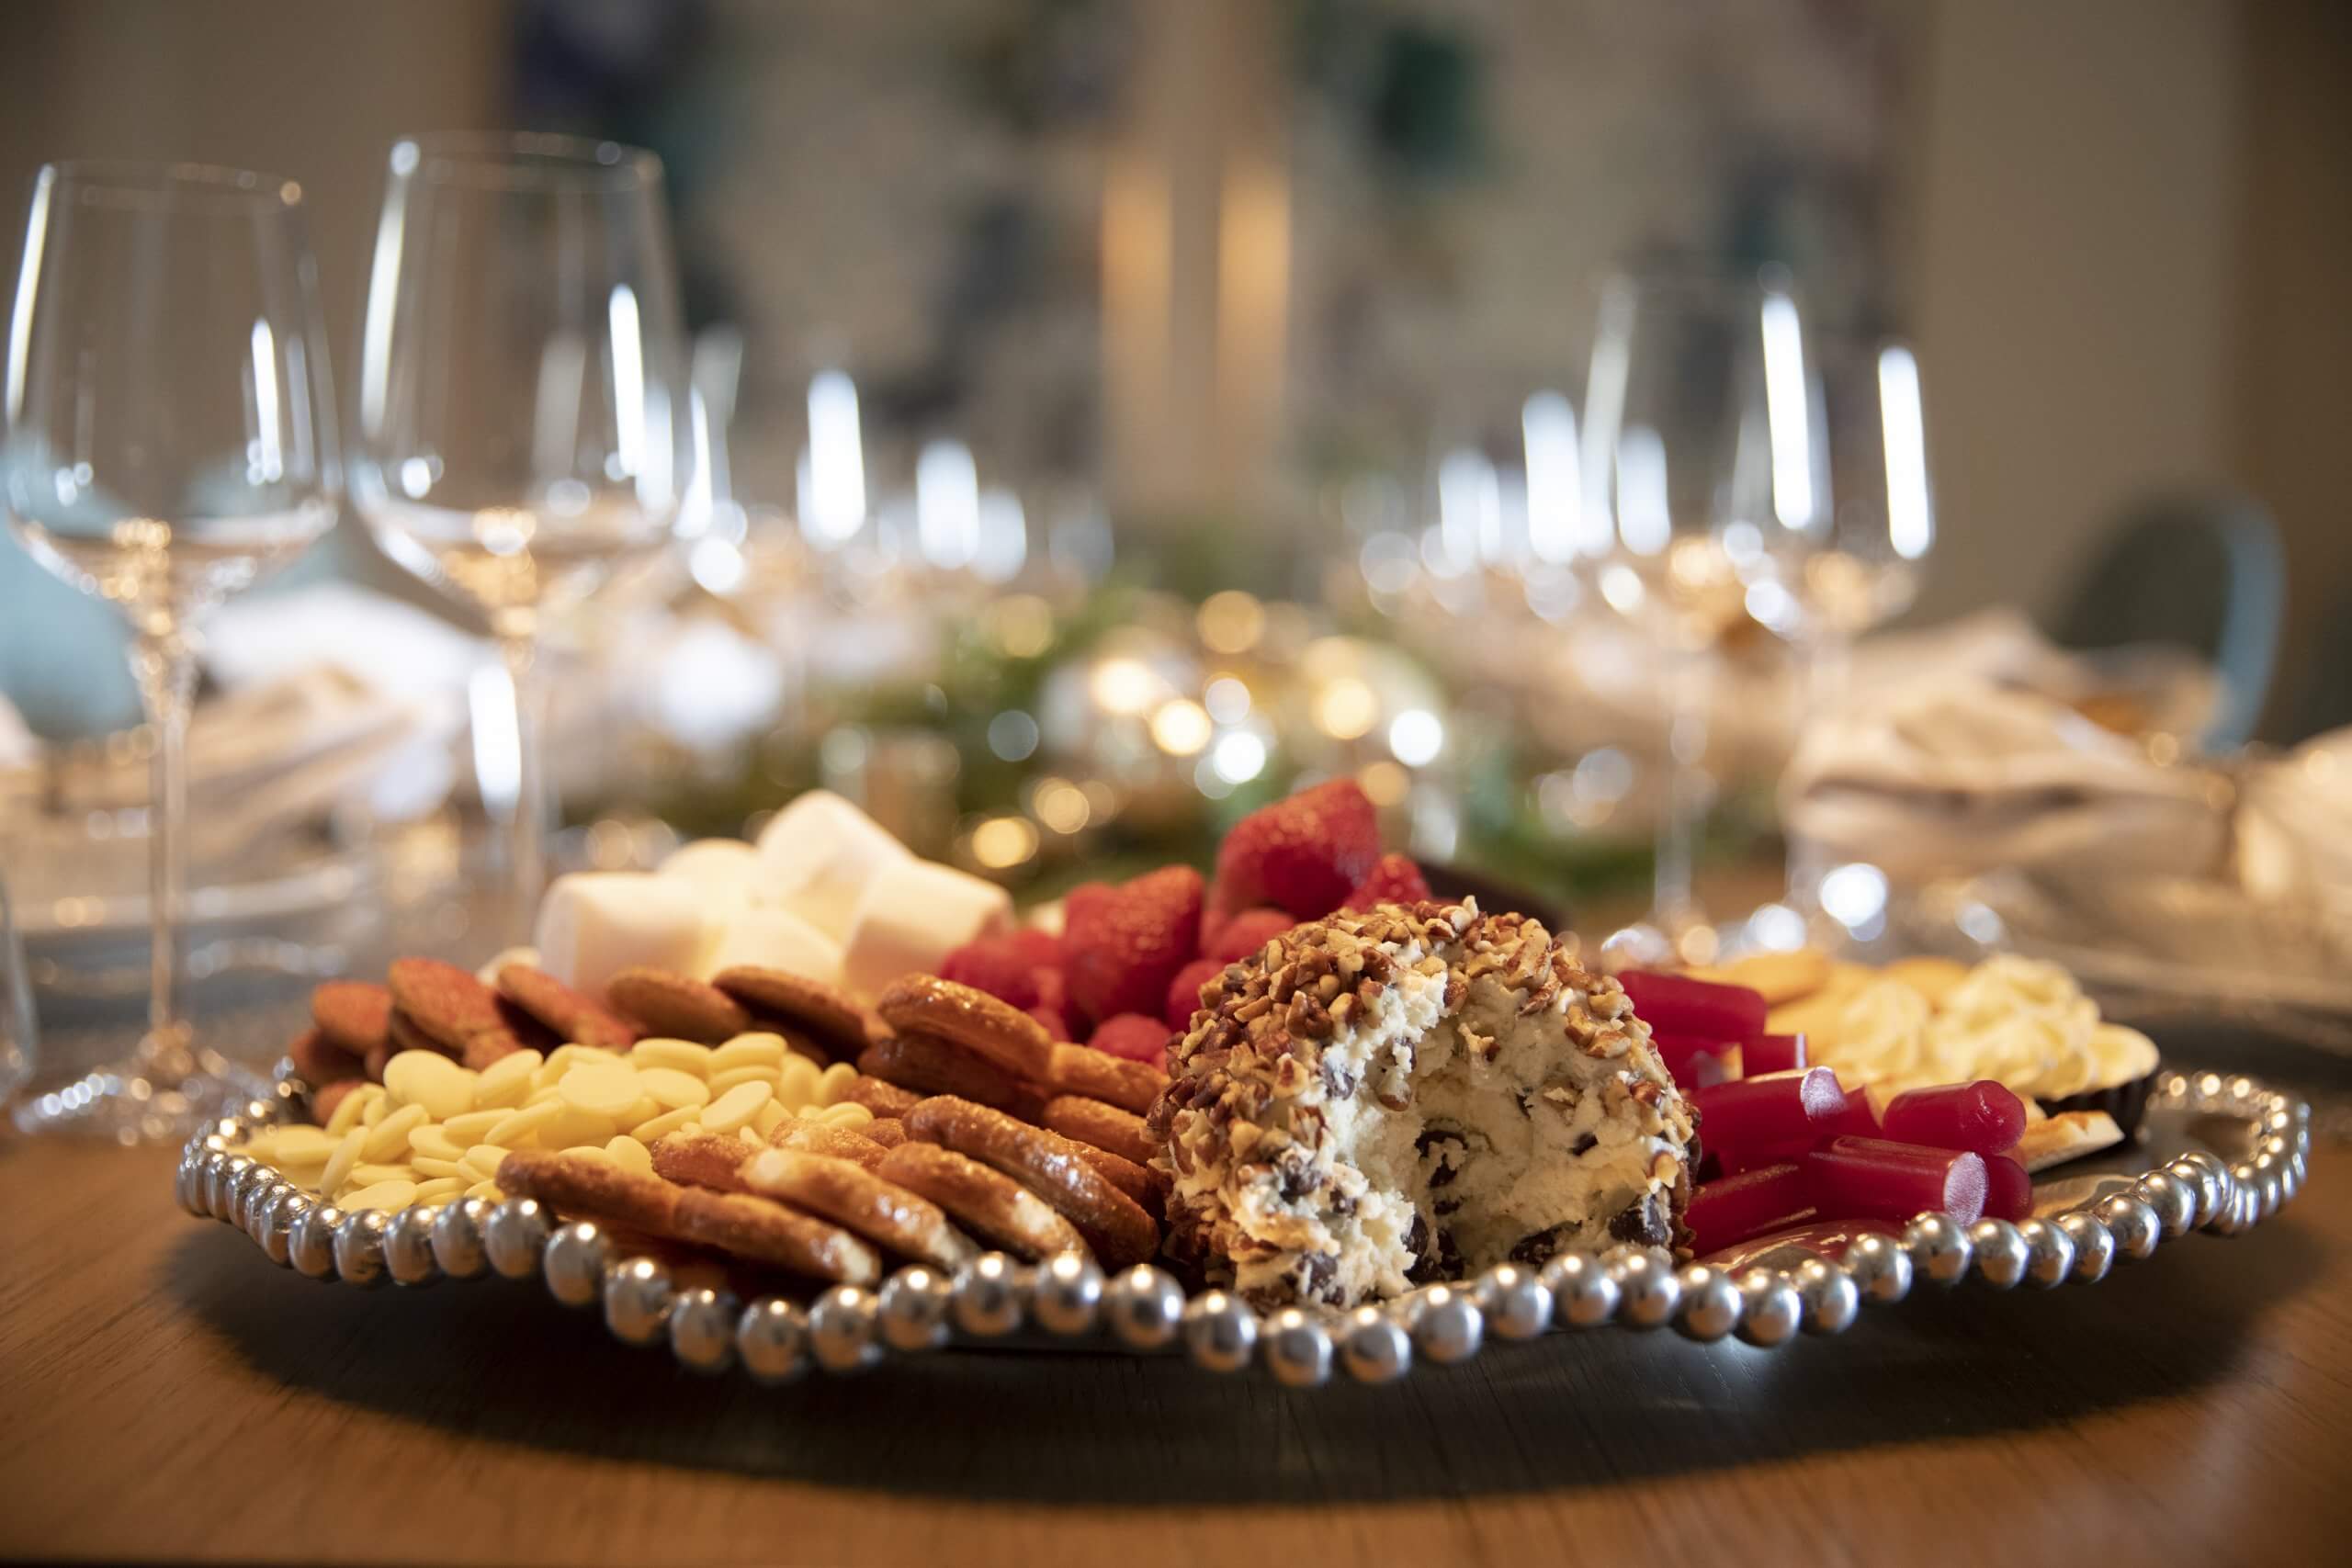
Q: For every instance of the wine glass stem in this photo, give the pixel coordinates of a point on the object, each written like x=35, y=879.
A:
x=1828, y=664
x=527, y=825
x=163, y=662
x=1689, y=676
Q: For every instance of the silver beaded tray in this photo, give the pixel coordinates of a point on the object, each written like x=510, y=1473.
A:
x=2221, y=1155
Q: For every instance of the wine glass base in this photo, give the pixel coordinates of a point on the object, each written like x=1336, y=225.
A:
x=161, y=1094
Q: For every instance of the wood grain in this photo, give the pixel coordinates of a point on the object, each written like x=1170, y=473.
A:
x=155, y=1368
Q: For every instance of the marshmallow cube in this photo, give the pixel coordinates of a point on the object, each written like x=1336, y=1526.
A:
x=772, y=938
x=822, y=851
x=912, y=915
x=594, y=924
x=726, y=872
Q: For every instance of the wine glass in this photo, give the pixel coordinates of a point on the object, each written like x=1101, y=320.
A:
x=1823, y=580
x=524, y=412
x=1695, y=436
x=170, y=439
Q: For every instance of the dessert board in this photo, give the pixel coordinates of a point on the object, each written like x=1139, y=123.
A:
x=810, y=1100
x=2219, y=1156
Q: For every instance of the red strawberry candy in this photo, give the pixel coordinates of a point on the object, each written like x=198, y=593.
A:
x=1055, y=1028
x=1053, y=991
x=1393, y=879
x=1212, y=921
x=1123, y=945
x=1246, y=935
x=1133, y=1037
x=1303, y=853
x=1184, y=991
x=1041, y=948
x=997, y=965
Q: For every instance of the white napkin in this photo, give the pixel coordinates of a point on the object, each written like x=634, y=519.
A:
x=259, y=759
x=2295, y=826
x=1963, y=776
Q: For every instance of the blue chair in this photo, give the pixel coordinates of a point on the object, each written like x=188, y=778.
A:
x=2201, y=570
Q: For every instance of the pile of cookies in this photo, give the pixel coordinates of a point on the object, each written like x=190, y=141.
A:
x=759, y=1115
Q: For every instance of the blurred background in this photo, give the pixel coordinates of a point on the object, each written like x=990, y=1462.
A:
x=1207, y=257
x=1200, y=307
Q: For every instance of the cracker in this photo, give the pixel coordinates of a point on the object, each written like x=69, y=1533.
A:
x=962, y=1015
x=989, y=1203
x=1116, y=1226
x=1098, y=1074
x=857, y=1200
x=1105, y=1127
x=677, y=1006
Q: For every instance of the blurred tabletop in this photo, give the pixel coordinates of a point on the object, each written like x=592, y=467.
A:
x=165, y=1394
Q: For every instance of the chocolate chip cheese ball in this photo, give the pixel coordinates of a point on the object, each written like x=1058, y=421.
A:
x=1378, y=1100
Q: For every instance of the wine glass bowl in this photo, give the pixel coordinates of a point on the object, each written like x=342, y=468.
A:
x=1856, y=565
x=1857, y=562
x=141, y=285
x=170, y=439
x=1698, y=451
x=525, y=409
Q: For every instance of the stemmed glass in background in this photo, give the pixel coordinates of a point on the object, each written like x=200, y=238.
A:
x=1822, y=582
x=170, y=439
x=524, y=424
x=1696, y=439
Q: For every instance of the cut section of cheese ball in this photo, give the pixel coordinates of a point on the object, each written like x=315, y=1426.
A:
x=1382, y=1100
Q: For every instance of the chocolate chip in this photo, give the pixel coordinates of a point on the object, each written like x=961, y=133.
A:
x=1540, y=1247
x=1298, y=1177
x=1584, y=1145
x=1434, y=1145
x=1643, y=1223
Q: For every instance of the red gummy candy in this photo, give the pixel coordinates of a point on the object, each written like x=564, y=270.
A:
x=1726, y=1213
x=1133, y=1036
x=1247, y=934
x=1302, y=855
x=1984, y=1116
x=1773, y=1053
x=1766, y=1113
x=2009, y=1191
x=1393, y=879
x=1184, y=991
x=1697, y=1063
x=1122, y=946
x=1885, y=1181
x=1680, y=1005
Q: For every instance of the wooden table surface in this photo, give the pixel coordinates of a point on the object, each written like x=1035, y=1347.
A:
x=155, y=1368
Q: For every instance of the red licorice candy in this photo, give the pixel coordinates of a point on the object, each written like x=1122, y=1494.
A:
x=2009, y=1191
x=1983, y=1116
x=1773, y=1053
x=1728, y=1211
x=1887, y=1180
x=1736, y=1119
x=1696, y=1063
x=1676, y=1004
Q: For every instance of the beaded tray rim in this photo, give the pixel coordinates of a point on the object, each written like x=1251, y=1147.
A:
x=849, y=1328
